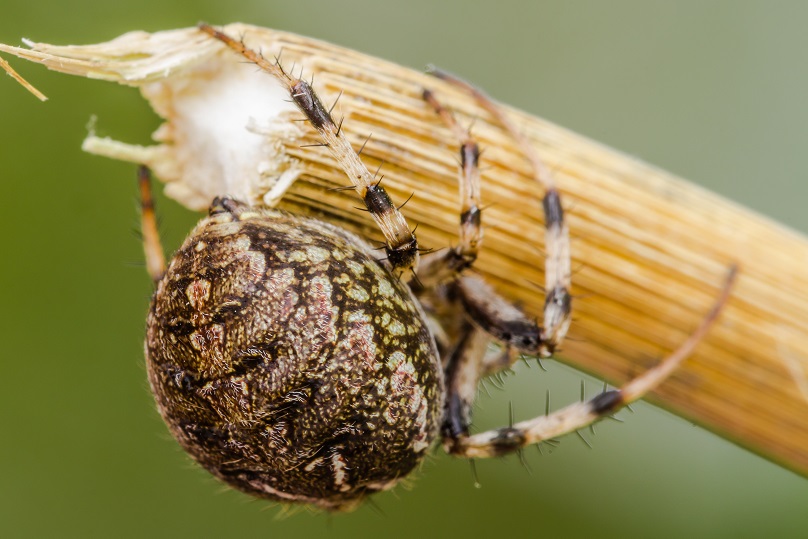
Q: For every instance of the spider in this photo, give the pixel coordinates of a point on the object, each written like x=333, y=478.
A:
x=293, y=364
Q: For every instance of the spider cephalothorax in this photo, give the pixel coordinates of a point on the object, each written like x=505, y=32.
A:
x=294, y=365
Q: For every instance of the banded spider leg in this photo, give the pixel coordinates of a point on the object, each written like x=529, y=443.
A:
x=490, y=316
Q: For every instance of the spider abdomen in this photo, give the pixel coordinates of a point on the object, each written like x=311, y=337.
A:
x=289, y=362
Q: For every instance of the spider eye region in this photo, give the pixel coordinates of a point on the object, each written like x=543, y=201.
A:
x=289, y=362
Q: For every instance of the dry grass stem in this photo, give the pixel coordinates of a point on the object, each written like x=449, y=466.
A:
x=652, y=250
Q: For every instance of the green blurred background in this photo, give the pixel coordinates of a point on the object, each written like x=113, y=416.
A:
x=713, y=91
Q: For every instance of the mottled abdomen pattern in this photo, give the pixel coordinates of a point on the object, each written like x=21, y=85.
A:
x=289, y=362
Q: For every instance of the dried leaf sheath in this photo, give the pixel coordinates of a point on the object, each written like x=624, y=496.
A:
x=653, y=249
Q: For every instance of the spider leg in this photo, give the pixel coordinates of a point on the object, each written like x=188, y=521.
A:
x=557, y=305
x=575, y=416
x=497, y=316
x=401, y=245
x=152, y=247
x=463, y=369
x=448, y=264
